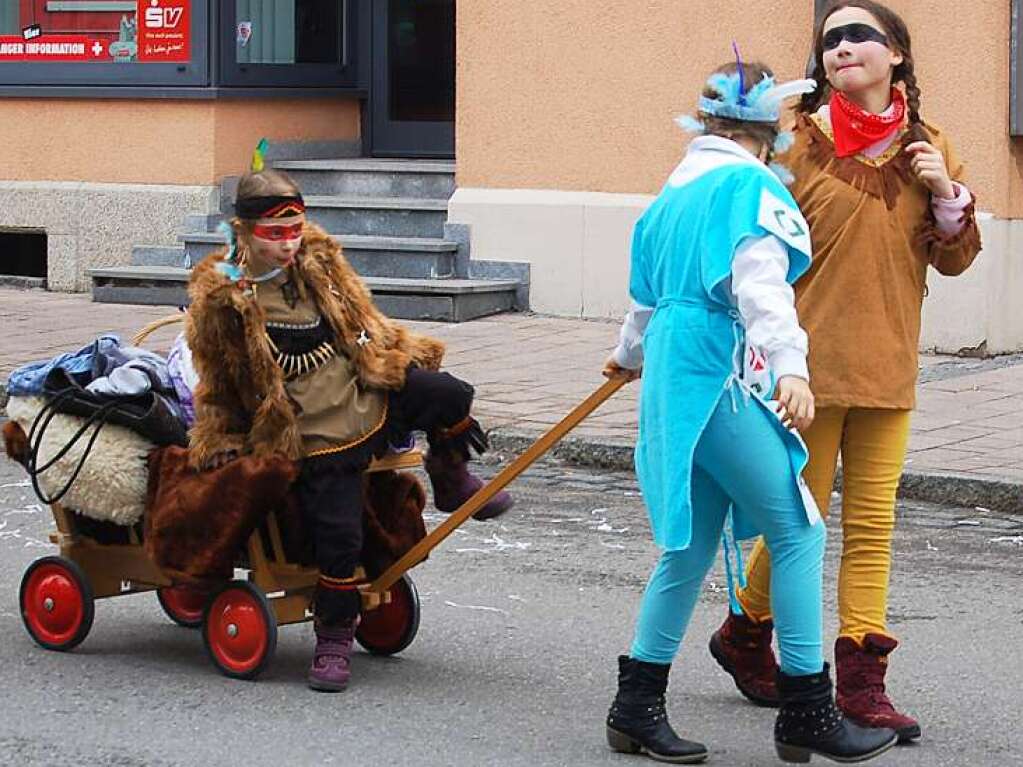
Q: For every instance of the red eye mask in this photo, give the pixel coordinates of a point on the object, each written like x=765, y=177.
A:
x=277, y=233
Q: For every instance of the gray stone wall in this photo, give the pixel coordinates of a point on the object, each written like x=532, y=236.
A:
x=94, y=225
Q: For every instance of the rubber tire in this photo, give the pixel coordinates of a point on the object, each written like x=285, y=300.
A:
x=390, y=628
x=187, y=619
x=74, y=576
x=254, y=609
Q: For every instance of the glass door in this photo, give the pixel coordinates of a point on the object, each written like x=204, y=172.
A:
x=413, y=98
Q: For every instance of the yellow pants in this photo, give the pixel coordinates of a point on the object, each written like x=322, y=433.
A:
x=873, y=448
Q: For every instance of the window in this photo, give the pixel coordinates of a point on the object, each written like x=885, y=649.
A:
x=306, y=43
x=23, y=253
x=104, y=42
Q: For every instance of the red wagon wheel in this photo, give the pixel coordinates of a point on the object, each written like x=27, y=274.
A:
x=239, y=630
x=391, y=627
x=183, y=605
x=57, y=603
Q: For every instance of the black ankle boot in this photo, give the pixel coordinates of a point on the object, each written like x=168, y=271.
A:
x=809, y=723
x=637, y=721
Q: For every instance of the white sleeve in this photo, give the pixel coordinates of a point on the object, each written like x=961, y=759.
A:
x=766, y=302
x=629, y=352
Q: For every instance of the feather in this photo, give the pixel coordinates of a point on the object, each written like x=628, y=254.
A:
x=784, y=142
x=230, y=270
x=259, y=155
x=225, y=230
x=690, y=124
x=757, y=92
x=784, y=174
x=779, y=93
x=726, y=86
x=738, y=68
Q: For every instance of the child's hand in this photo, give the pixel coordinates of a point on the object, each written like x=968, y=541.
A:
x=929, y=166
x=222, y=458
x=795, y=402
x=613, y=370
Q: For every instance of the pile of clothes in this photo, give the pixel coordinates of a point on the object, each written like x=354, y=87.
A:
x=85, y=422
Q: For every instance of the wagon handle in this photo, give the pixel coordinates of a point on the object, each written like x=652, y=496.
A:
x=418, y=553
x=143, y=334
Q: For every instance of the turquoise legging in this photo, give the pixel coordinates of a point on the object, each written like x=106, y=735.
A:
x=741, y=457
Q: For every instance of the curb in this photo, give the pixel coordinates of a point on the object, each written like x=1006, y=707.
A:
x=946, y=489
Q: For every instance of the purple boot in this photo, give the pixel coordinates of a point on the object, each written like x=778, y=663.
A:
x=331, y=667
x=453, y=485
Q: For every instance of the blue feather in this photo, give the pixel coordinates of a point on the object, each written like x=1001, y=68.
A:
x=784, y=142
x=784, y=174
x=690, y=124
x=226, y=231
x=232, y=271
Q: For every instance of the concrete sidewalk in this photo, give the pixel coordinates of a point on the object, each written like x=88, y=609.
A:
x=966, y=446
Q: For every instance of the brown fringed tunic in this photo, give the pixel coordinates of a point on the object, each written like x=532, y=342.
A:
x=873, y=235
x=334, y=411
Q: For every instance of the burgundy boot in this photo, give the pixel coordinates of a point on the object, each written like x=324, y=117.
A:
x=742, y=647
x=331, y=667
x=453, y=485
x=860, y=691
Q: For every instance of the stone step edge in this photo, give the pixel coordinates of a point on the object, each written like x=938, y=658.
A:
x=337, y=202
x=369, y=165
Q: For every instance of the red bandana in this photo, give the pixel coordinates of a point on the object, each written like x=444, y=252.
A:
x=856, y=129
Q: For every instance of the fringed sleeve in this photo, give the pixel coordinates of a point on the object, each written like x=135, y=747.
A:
x=211, y=329
x=951, y=254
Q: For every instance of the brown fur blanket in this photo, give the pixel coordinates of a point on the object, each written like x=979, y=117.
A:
x=197, y=523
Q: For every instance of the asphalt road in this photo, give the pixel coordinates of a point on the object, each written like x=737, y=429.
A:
x=514, y=662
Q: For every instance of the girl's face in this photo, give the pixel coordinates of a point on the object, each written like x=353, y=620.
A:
x=276, y=241
x=856, y=53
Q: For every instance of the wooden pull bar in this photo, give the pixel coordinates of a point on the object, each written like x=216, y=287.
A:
x=418, y=553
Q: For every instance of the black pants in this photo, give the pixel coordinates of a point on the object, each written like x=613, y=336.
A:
x=330, y=486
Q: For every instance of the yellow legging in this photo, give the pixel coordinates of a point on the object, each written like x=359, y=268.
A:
x=873, y=447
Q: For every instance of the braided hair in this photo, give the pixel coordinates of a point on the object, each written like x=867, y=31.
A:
x=898, y=35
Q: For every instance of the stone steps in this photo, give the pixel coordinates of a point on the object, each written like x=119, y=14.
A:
x=390, y=217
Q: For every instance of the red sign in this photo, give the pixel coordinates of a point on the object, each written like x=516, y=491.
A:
x=52, y=48
x=164, y=30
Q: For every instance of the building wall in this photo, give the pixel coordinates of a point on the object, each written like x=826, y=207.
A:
x=157, y=141
x=101, y=176
x=573, y=98
x=575, y=95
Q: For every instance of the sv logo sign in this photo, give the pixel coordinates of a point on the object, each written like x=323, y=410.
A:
x=163, y=18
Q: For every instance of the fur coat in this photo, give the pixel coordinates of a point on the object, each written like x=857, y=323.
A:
x=241, y=402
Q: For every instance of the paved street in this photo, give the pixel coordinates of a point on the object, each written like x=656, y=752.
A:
x=514, y=661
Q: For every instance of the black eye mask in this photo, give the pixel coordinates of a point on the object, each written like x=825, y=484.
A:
x=854, y=33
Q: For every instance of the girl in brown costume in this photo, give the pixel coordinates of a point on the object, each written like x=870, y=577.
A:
x=882, y=193
x=294, y=358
